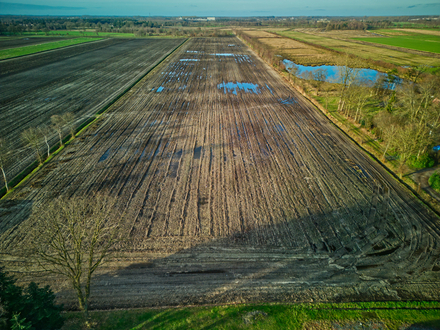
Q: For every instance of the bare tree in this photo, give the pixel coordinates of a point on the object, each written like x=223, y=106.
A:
x=293, y=71
x=69, y=118
x=319, y=75
x=58, y=123
x=5, y=159
x=32, y=137
x=45, y=132
x=347, y=76
x=72, y=238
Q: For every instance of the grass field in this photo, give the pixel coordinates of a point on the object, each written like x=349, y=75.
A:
x=268, y=316
x=78, y=33
x=411, y=40
x=27, y=50
x=364, y=51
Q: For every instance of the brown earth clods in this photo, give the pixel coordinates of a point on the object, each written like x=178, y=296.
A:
x=235, y=189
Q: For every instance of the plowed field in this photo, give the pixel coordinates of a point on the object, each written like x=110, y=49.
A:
x=236, y=189
x=81, y=79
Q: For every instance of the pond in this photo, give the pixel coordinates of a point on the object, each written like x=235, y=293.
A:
x=331, y=73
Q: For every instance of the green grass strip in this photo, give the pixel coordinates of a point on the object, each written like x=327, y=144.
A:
x=31, y=49
x=261, y=316
x=427, y=44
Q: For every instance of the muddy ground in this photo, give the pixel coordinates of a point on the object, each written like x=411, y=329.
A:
x=235, y=189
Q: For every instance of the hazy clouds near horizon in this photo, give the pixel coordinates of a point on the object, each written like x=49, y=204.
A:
x=221, y=8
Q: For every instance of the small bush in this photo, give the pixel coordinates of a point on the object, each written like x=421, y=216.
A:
x=434, y=181
x=424, y=161
x=31, y=308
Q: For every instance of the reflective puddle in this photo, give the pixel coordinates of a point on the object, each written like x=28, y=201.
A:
x=233, y=88
x=332, y=73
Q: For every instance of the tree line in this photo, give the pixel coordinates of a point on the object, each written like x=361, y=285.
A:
x=38, y=140
x=403, y=113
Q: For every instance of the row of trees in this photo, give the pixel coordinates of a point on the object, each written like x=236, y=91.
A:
x=38, y=139
x=19, y=24
x=403, y=113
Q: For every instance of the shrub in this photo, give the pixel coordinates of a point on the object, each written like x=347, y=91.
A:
x=434, y=181
x=424, y=161
x=32, y=308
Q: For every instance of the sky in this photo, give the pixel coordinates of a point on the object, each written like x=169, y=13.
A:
x=221, y=8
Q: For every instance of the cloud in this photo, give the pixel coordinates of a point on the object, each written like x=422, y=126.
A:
x=425, y=5
x=7, y=6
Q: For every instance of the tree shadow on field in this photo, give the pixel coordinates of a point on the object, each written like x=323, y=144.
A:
x=428, y=325
x=13, y=212
x=374, y=259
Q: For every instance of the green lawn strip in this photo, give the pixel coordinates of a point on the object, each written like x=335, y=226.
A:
x=262, y=316
x=26, y=50
x=76, y=33
x=428, y=44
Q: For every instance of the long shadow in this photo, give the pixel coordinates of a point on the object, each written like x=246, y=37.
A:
x=378, y=258
x=22, y=208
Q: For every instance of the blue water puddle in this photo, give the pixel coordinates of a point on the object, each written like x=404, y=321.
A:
x=160, y=89
x=189, y=60
x=224, y=54
x=332, y=75
x=270, y=90
x=280, y=127
x=289, y=100
x=233, y=88
x=197, y=152
x=193, y=51
x=105, y=155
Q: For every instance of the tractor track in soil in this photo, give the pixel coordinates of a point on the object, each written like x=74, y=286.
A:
x=235, y=189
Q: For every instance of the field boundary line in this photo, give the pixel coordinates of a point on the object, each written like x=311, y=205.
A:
x=51, y=50
x=34, y=167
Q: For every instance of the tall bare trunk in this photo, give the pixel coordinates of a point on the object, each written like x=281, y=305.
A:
x=4, y=177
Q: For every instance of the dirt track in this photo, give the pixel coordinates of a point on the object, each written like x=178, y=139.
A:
x=236, y=189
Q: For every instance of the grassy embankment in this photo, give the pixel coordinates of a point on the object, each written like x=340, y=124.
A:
x=391, y=315
x=27, y=50
x=411, y=40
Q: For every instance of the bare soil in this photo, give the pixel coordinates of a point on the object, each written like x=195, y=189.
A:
x=81, y=80
x=233, y=195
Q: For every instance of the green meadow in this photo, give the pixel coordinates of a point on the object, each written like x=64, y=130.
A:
x=388, y=315
x=31, y=49
x=416, y=41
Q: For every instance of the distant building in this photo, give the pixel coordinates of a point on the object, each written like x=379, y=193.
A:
x=210, y=18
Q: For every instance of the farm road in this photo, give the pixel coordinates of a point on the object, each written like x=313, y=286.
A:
x=235, y=189
x=81, y=80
